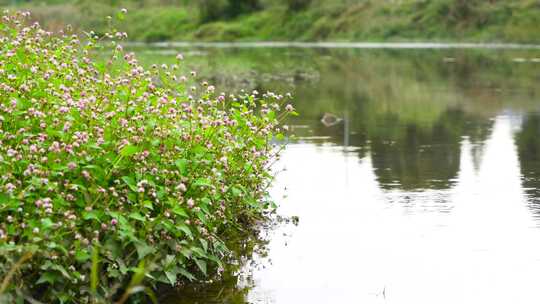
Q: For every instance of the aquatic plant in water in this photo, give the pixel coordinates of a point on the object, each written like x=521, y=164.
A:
x=109, y=171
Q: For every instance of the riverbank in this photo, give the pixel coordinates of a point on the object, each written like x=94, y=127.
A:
x=443, y=20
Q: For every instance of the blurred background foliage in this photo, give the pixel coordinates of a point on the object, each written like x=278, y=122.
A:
x=300, y=20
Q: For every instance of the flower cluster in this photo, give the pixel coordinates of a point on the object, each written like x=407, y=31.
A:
x=137, y=164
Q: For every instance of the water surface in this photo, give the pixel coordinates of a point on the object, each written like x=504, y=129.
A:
x=425, y=190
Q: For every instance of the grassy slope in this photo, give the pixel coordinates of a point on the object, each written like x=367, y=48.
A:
x=362, y=20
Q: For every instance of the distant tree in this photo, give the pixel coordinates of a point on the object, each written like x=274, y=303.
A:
x=211, y=10
x=462, y=8
x=240, y=7
x=297, y=5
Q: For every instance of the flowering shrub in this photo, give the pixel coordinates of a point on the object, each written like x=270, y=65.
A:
x=104, y=164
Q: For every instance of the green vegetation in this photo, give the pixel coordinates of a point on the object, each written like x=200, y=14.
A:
x=112, y=175
x=304, y=20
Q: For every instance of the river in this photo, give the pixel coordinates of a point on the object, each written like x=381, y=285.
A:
x=415, y=174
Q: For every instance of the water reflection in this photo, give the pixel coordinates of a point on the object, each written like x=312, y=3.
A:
x=528, y=141
x=472, y=242
x=425, y=191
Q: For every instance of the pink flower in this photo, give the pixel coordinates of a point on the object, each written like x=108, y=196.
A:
x=72, y=166
x=11, y=152
x=67, y=125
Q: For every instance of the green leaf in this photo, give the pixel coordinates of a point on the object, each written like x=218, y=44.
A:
x=186, y=252
x=130, y=182
x=202, y=182
x=122, y=266
x=120, y=16
x=186, y=230
x=171, y=276
x=4, y=198
x=235, y=191
x=90, y=215
x=198, y=251
x=82, y=255
x=204, y=243
x=248, y=168
x=199, y=150
x=143, y=249
x=46, y=223
x=271, y=115
x=186, y=274
x=129, y=150
x=201, y=264
x=137, y=216
x=148, y=204
x=48, y=277
x=97, y=171
x=202, y=217
x=168, y=261
x=215, y=259
x=53, y=245
x=182, y=166
x=179, y=211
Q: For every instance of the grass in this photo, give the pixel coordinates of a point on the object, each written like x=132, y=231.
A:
x=339, y=20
